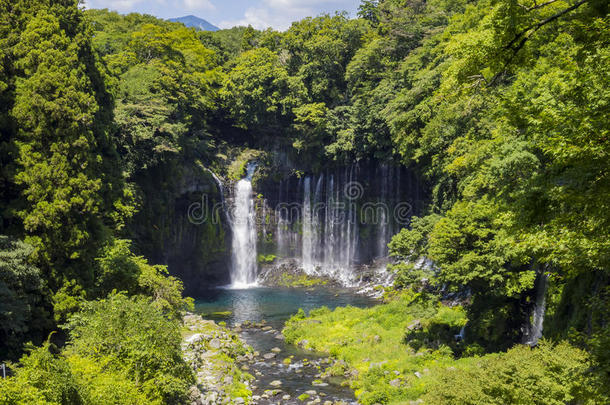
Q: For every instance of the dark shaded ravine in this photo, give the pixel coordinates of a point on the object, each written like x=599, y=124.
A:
x=239, y=308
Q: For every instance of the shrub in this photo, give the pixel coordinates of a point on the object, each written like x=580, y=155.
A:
x=120, y=269
x=548, y=374
x=44, y=378
x=134, y=336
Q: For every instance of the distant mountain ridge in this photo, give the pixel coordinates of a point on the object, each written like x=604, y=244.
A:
x=195, y=22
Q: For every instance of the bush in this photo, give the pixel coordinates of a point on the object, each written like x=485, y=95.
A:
x=134, y=336
x=120, y=269
x=100, y=383
x=547, y=375
x=439, y=329
x=47, y=378
x=44, y=378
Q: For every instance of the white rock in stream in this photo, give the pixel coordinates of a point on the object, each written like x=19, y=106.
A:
x=193, y=338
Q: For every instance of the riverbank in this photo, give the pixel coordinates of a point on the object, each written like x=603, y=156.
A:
x=410, y=350
x=213, y=352
x=229, y=371
x=369, y=280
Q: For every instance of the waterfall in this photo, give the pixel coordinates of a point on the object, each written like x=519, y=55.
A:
x=323, y=218
x=534, y=329
x=311, y=252
x=316, y=219
x=382, y=219
x=243, y=270
x=460, y=336
x=307, y=228
x=221, y=191
x=329, y=225
x=280, y=226
x=329, y=241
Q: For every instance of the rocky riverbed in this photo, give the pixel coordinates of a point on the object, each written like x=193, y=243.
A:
x=213, y=353
x=229, y=370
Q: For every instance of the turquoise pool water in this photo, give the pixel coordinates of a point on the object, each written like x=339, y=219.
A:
x=275, y=305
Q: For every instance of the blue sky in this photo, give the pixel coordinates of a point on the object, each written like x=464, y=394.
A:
x=227, y=13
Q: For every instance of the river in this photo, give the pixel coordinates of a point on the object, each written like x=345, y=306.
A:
x=275, y=306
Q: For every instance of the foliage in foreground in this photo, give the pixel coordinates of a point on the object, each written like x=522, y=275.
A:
x=47, y=378
x=549, y=374
x=375, y=347
x=21, y=297
x=121, y=350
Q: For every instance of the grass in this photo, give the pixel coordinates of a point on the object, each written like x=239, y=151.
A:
x=371, y=347
x=266, y=259
x=237, y=169
x=300, y=280
x=404, y=350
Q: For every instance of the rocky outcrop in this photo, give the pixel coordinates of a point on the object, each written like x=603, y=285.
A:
x=289, y=273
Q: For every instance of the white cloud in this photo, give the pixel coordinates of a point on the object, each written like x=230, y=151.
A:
x=198, y=5
x=279, y=14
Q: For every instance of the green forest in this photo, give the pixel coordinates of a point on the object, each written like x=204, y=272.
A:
x=501, y=107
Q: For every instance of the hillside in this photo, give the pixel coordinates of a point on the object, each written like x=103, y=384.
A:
x=192, y=21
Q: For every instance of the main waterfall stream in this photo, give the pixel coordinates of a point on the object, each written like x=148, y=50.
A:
x=243, y=266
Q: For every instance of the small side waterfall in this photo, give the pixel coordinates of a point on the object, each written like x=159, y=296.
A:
x=221, y=191
x=534, y=329
x=460, y=336
x=383, y=230
x=244, y=267
x=307, y=251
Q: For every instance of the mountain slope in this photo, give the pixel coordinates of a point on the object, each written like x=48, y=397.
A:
x=195, y=22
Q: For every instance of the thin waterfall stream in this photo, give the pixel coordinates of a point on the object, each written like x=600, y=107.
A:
x=534, y=329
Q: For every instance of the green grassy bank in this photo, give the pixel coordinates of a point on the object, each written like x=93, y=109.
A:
x=404, y=351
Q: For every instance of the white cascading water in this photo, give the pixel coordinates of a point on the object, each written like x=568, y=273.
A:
x=244, y=267
x=329, y=235
x=383, y=220
x=331, y=214
x=534, y=330
x=307, y=250
x=221, y=191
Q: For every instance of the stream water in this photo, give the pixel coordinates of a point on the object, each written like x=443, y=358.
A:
x=275, y=306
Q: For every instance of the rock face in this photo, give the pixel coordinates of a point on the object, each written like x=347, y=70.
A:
x=206, y=349
x=180, y=224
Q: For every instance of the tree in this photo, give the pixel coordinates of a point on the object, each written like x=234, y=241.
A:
x=368, y=9
x=22, y=303
x=259, y=93
x=69, y=185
